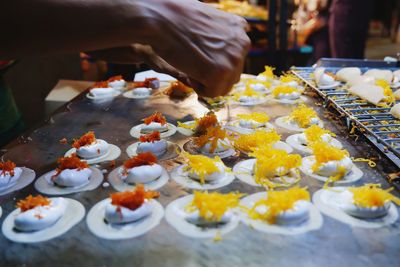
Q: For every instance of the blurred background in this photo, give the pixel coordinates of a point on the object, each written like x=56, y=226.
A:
x=283, y=34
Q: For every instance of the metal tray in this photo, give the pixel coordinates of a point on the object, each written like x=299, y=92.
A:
x=376, y=123
x=335, y=244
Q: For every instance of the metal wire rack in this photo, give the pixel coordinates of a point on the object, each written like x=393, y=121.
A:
x=376, y=123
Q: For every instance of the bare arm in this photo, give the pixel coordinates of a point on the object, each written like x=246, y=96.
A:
x=47, y=26
x=205, y=44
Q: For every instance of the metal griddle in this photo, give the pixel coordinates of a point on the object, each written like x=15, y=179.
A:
x=335, y=244
x=376, y=124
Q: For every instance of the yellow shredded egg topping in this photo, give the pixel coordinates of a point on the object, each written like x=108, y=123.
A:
x=284, y=90
x=278, y=202
x=268, y=72
x=324, y=152
x=249, y=142
x=255, y=116
x=246, y=92
x=302, y=115
x=189, y=126
x=387, y=91
x=273, y=162
x=314, y=133
x=288, y=78
x=340, y=174
x=372, y=195
x=267, y=84
x=202, y=165
x=212, y=206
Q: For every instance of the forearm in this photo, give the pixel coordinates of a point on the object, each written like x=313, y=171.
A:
x=31, y=27
x=186, y=38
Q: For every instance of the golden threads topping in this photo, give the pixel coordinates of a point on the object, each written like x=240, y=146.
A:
x=277, y=202
x=212, y=206
x=249, y=142
x=372, y=195
x=302, y=115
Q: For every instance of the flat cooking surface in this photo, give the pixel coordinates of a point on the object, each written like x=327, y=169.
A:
x=378, y=125
x=335, y=244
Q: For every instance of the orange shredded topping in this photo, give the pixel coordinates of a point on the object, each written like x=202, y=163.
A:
x=212, y=136
x=145, y=158
x=178, y=90
x=156, y=117
x=115, y=78
x=63, y=141
x=100, y=85
x=146, y=83
x=331, y=74
x=31, y=202
x=7, y=166
x=151, y=137
x=133, y=199
x=86, y=139
x=209, y=120
x=112, y=164
x=72, y=162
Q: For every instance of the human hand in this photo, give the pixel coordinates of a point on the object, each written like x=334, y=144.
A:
x=206, y=44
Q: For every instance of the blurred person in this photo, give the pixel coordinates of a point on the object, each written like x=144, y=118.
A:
x=348, y=27
x=313, y=17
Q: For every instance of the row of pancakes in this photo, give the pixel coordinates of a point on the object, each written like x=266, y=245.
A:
x=271, y=168
x=270, y=164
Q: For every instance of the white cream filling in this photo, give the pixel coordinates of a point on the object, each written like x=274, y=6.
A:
x=73, y=177
x=212, y=176
x=327, y=138
x=250, y=124
x=396, y=79
x=141, y=91
x=222, y=146
x=289, y=96
x=294, y=216
x=291, y=84
x=262, y=78
x=362, y=212
x=313, y=121
x=141, y=174
x=248, y=99
x=41, y=217
x=280, y=171
x=103, y=92
x=158, y=148
x=332, y=168
x=259, y=87
x=117, y=215
x=325, y=80
x=153, y=126
x=117, y=84
x=7, y=181
x=196, y=219
x=94, y=150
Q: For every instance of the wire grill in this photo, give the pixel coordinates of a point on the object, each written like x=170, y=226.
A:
x=376, y=123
